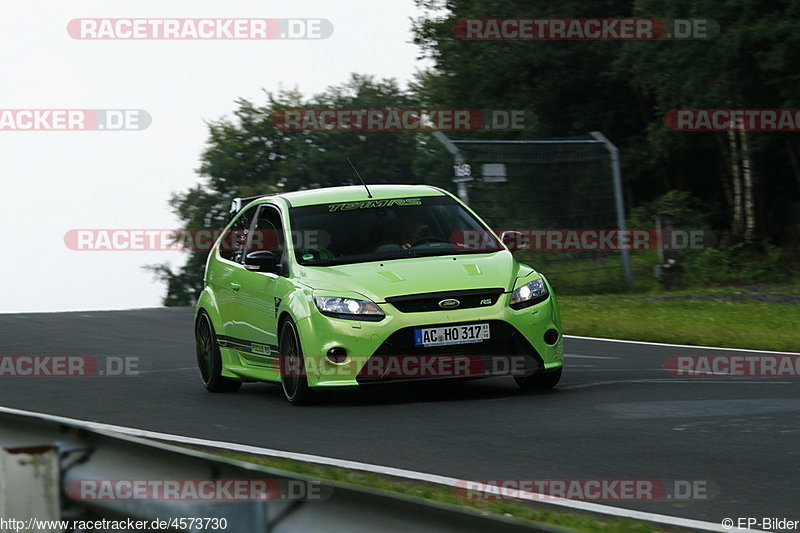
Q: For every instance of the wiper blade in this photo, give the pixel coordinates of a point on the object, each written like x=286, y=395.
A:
x=320, y=262
x=432, y=252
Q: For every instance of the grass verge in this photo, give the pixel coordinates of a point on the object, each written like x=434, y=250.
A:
x=727, y=317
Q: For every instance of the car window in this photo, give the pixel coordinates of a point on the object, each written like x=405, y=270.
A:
x=233, y=242
x=267, y=234
x=373, y=230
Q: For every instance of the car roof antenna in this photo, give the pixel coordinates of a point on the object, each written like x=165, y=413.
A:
x=369, y=194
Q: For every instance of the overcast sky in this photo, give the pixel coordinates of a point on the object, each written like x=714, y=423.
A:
x=54, y=181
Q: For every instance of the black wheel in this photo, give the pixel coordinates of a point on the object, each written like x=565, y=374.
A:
x=209, y=359
x=293, y=378
x=539, y=381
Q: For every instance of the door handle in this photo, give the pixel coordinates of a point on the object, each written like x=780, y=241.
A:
x=235, y=287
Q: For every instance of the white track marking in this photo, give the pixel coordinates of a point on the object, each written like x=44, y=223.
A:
x=695, y=346
x=576, y=505
x=661, y=370
x=683, y=372
x=665, y=381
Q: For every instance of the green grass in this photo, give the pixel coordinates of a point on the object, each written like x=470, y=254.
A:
x=595, y=303
x=744, y=323
x=581, y=273
x=438, y=494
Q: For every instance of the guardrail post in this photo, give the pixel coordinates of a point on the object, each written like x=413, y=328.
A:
x=29, y=484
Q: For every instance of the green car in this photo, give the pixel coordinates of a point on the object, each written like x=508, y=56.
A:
x=349, y=286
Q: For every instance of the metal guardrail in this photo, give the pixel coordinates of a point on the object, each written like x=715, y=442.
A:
x=58, y=454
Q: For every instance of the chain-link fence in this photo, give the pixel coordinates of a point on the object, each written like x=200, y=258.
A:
x=561, y=185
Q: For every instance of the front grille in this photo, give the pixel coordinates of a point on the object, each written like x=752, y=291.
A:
x=504, y=343
x=468, y=299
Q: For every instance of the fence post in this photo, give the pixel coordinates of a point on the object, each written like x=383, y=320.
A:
x=619, y=201
x=458, y=162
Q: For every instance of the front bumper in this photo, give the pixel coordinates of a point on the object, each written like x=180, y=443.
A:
x=385, y=350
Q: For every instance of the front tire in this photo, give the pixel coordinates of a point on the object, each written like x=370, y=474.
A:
x=293, y=373
x=209, y=359
x=539, y=381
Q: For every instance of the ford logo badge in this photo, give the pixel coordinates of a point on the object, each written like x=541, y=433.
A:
x=450, y=303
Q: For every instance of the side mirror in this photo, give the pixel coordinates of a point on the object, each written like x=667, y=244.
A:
x=261, y=261
x=512, y=239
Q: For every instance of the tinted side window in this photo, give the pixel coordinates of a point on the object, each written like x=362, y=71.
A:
x=233, y=242
x=268, y=234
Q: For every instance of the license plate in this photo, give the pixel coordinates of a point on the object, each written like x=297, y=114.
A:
x=451, y=335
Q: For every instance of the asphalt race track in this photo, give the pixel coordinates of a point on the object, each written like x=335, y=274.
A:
x=616, y=415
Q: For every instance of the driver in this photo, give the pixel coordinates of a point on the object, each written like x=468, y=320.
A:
x=401, y=232
x=410, y=226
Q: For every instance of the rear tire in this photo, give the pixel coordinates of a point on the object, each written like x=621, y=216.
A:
x=293, y=374
x=539, y=381
x=209, y=359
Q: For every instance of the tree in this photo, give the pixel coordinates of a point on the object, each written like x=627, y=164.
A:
x=624, y=90
x=747, y=66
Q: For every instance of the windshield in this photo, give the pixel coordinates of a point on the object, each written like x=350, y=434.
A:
x=375, y=230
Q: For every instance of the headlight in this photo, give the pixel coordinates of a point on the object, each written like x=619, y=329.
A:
x=529, y=294
x=348, y=308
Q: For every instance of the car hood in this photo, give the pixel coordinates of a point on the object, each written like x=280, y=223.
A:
x=382, y=279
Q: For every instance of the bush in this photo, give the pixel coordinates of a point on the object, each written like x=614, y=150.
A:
x=761, y=264
x=707, y=267
x=741, y=263
x=689, y=211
